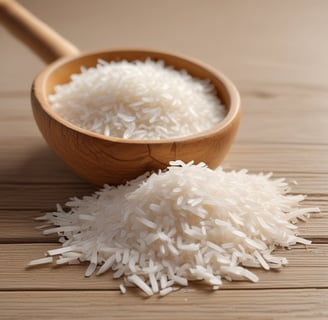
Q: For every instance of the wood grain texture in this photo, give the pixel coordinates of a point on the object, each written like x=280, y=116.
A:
x=306, y=269
x=20, y=226
x=277, y=56
x=185, y=304
x=283, y=112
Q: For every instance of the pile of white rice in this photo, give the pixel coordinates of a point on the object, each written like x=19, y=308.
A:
x=138, y=100
x=161, y=231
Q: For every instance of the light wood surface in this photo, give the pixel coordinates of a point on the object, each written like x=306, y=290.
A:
x=192, y=304
x=277, y=54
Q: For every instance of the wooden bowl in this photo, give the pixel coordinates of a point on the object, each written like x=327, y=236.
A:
x=101, y=159
x=112, y=160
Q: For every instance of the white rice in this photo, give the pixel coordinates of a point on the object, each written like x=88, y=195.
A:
x=122, y=289
x=187, y=223
x=138, y=100
x=40, y=261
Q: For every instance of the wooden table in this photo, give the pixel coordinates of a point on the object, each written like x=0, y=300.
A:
x=277, y=54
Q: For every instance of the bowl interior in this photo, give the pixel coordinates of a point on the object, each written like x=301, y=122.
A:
x=60, y=71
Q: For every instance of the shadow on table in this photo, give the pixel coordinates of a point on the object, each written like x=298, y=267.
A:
x=37, y=180
x=39, y=165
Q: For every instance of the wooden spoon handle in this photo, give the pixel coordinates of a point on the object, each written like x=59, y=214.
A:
x=44, y=41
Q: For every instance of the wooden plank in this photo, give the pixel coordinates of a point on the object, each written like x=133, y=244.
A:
x=286, y=113
x=184, y=304
x=19, y=226
x=307, y=268
x=315, y=183
x=277, y=157
x=38, y=196
x=29, y=160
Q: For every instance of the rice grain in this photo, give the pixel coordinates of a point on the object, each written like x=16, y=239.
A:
x=138, y=100
x=225, y=223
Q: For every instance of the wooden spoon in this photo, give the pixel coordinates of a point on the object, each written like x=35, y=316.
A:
x=111, y=160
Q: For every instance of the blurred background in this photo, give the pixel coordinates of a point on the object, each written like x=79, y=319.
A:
x=251, y=40
x=276, y=52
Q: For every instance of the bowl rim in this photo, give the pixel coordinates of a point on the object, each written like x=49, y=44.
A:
x=39, y=90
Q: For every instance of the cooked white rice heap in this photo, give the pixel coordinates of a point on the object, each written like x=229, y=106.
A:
x=189, y=222
x=138, y=100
